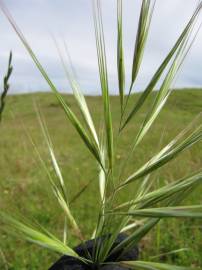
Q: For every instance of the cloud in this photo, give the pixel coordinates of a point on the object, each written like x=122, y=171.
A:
x=72, y=21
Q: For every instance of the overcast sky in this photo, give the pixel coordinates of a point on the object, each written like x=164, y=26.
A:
x=71, y=20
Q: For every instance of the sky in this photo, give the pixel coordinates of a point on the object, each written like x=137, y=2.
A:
x=71, y=21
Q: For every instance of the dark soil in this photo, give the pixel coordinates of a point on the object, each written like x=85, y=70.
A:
x=83, y=250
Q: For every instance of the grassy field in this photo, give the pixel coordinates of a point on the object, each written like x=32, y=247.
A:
x=24, y=186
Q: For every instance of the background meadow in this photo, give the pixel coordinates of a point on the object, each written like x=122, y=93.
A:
x=24, y=185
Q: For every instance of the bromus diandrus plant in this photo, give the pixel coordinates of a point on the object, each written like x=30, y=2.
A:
x=148, y=204
x=6, y=85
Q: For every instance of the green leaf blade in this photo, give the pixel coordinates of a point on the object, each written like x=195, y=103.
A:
x=120, y=54
x=152, y=266
x=194, y=211
x=41, y=238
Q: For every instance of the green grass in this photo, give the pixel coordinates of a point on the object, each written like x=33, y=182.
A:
x=24, y=186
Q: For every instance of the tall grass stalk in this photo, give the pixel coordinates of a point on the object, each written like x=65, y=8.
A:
x=6, y=85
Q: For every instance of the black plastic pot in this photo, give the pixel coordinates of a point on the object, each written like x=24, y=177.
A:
x=70, y=263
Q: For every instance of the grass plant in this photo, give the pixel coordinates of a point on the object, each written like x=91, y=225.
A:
x=6, y=86
x=148, y=204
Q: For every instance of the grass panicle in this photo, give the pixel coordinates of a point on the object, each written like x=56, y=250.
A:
x=59, y=188
x=80, y=99
x=6, y=85
x=102, y=63
x=145, y=18
x=158, y=74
